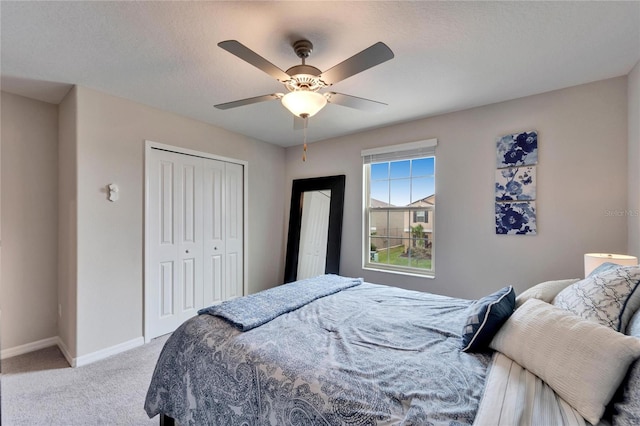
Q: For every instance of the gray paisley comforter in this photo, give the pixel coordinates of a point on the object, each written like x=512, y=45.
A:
x=368, y=355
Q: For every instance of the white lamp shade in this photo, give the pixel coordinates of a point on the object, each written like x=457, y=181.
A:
x=304, y=102
x=593, y=260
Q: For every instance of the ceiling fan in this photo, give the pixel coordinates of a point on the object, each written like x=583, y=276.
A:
x=303, y=82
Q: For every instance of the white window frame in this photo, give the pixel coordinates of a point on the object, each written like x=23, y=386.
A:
x=399, y=152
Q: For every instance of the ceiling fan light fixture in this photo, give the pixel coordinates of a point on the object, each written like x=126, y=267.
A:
x=304, y=103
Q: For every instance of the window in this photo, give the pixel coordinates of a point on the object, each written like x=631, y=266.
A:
x=399, y=198
x=420, y=216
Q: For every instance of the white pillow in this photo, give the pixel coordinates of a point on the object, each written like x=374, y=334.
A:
x=545, y=291
x=609, y=298
x=582, y=361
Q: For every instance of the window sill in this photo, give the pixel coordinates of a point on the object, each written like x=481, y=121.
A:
x=371, y=267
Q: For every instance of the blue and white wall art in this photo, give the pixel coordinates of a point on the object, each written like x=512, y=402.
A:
x=516, y=184
x=516, y=218
x=515, y=190
x=518, y=149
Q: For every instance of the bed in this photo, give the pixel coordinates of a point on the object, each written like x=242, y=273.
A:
x=361, y=354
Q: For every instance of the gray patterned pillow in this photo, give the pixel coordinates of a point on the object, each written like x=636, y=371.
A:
x=609, y=298
x=604, y=268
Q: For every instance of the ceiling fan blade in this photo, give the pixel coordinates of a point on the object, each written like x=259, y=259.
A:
x=248, y=101
x=355, y=102
x=243, y=52
x=369, y=57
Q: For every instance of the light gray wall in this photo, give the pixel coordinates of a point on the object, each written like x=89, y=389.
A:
x=633, y=219
x=582, y=173
x=29, y=220
x=110, y=149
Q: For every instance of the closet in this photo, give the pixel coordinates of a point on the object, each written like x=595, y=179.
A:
x=194, y=252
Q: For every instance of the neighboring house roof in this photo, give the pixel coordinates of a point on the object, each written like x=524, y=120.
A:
x=378, y=203
x=429, y=201
x=426, y=201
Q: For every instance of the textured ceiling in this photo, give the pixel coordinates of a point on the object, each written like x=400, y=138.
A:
x=448, y=55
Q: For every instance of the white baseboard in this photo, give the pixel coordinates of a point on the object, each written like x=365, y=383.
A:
x=65, y=351
x=107, y=352
x=29, y=347
x=74, y=362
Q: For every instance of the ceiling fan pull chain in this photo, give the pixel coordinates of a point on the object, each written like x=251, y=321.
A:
x=304, y=149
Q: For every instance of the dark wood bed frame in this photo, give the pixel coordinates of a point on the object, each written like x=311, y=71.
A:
x=166, y=420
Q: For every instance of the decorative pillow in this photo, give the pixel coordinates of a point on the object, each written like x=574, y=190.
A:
x=633, y=328
x=545, y=291
x=626, y=410
x=485, y=317
x=609, y=298
x=607, y=266
x=582, y=361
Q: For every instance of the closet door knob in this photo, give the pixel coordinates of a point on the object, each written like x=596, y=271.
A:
x=186, y=251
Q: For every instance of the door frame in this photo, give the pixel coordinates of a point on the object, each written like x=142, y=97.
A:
x=149, y=145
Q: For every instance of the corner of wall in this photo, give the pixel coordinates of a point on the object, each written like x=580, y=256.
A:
x=633, y=158
x=29, y=222
x=67, y=222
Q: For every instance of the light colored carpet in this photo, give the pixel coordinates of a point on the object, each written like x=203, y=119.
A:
x=40, y=388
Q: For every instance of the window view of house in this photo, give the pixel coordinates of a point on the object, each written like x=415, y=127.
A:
x=400, y=213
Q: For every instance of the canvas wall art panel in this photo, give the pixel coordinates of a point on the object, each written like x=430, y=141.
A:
x=516, y=184
x=516, y=218
x=518, y=149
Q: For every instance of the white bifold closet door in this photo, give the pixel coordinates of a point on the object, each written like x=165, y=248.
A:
x=195, y=253
x=223, y=237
